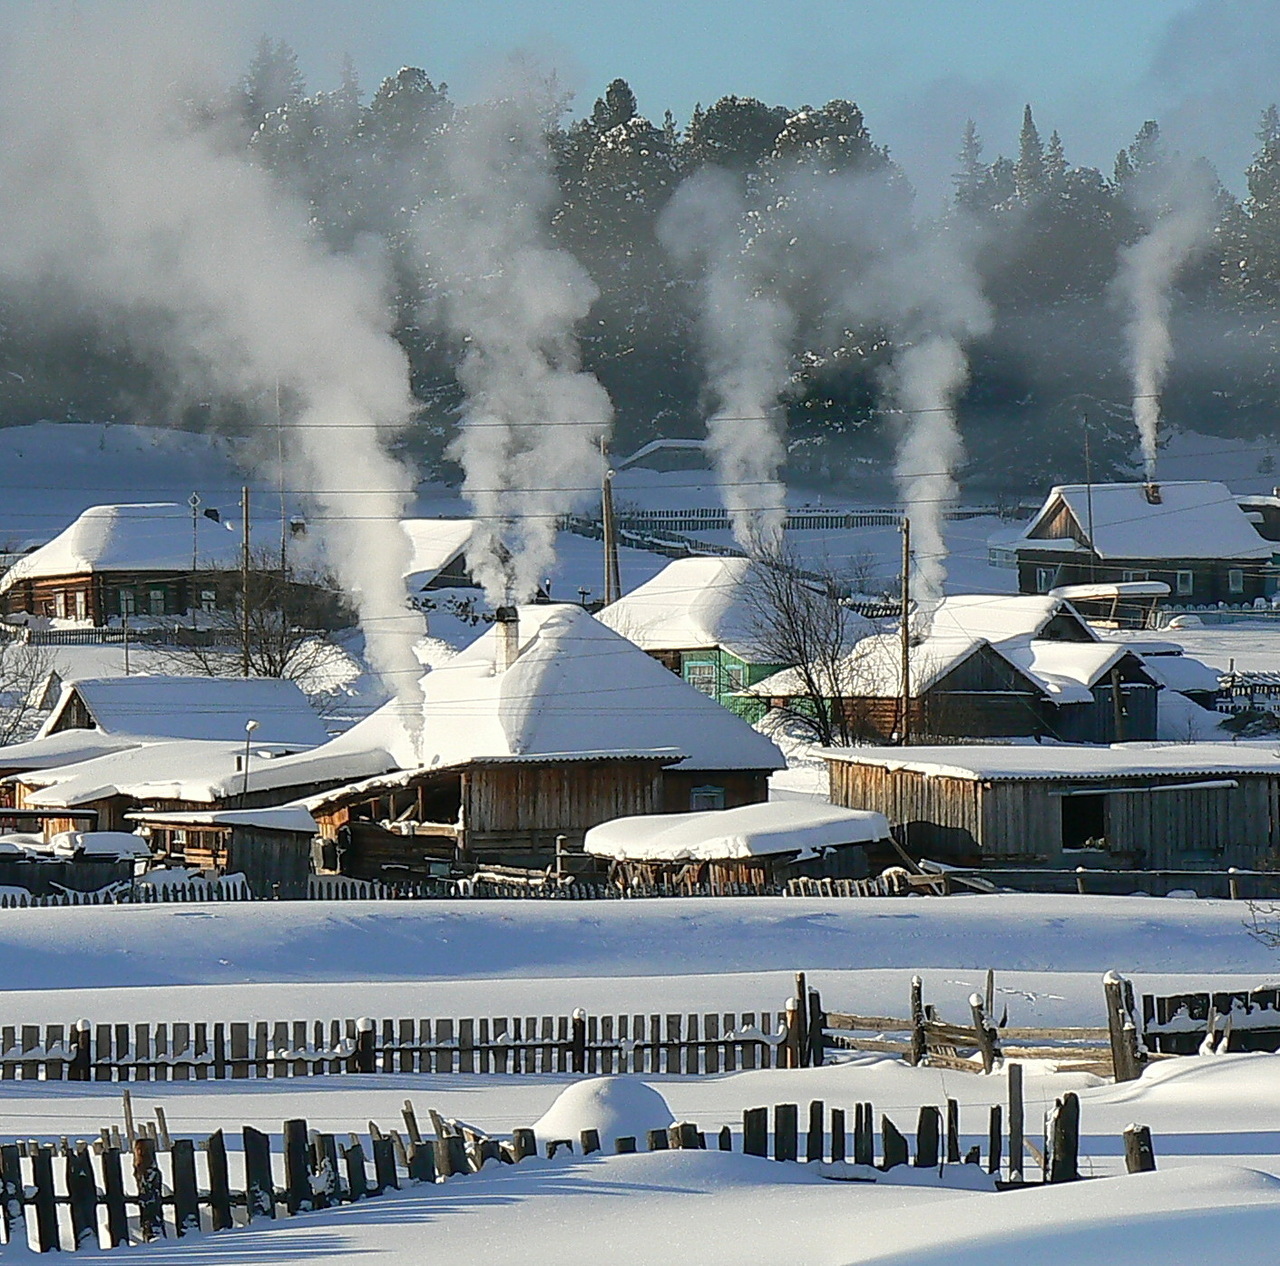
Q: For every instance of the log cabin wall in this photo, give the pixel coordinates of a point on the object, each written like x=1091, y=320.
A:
x=684, y=790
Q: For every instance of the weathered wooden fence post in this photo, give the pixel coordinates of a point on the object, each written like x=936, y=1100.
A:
x=578, y=1041
x=893, y=1145
x=358, y=1177
x=1062, y=1139
x=80, y=1067
x=297, y=1167
x=817, y=1039
x=1124, y=1034
x=366, y=1057
x=384, y=1164
x=815, y=1140
x=1015, y=1122
x=864, y=1134
x=186, y=1193
x=786, y=1134
x=985, y=1034
x=755, y=1132
x=45, y=1200
x=919, y=1046
x=260, y=1192
x=11, y=1192
x=724, y=1140
x=953, y=1132
x=215, y=1151
x=523, y=1143
x=928, y=1132
x=146, y=1177
x=798, y=1033
x=590, y=1141
x=838, y=1134
x=995, y=1139
x=1139, y=1155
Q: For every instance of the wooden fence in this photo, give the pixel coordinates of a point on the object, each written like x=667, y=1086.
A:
x=1225, y=1020
x=94, y=1200
x=585, y=1044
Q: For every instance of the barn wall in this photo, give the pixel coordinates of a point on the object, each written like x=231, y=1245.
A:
x=274, y=863
x=740, y=786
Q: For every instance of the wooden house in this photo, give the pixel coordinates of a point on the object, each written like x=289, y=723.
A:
x=991, y=666
x=1146, y=806
x=1192, y=536
x=759, y=845
x=547, y=725
x=271, y=848
x=698, y=618
x=438, y=554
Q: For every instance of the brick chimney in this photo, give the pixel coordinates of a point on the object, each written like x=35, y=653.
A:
x=1152, y=493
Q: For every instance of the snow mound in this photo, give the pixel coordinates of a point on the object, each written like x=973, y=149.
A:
x=616, y=1106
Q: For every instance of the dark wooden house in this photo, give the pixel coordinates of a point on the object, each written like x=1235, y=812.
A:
x=1199, y=805
x=1192, y=536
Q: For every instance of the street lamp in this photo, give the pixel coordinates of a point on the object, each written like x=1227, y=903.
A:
x=249, y=727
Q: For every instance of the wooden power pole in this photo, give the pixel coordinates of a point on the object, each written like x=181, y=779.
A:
x=612, y=578
x=244, y=582
x=904, y=636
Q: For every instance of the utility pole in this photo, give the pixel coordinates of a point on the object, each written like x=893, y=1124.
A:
x=612, y=578
x=1088, y=500
x=904, y=636
x=244, y=581
x=192, y=592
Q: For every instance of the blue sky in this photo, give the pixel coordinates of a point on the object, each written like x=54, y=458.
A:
x=1094, y=69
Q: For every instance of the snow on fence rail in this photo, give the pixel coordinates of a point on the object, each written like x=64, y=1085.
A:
x=95, y=1200
x=1226, y=1020
x=584, y=1044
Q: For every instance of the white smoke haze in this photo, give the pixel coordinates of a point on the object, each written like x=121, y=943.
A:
x=114, y=200
x=533, y=423
x=1182, y=213
x=747, y=331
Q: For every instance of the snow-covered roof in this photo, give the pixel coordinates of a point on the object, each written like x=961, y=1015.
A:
x=1067, y=670
x=1194, y=519
x=1183, y=673
x=146, y=537
x=202, y=772
x=576, y=687
x=434, y=543
x=1105, y=593
x=285, y=817
x=752, y=830
x=691, y=604
x=999, y=617
x=186, y=707
x=1044, y=761
x=67, y=747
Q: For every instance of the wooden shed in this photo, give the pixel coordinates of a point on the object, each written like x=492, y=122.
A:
x=1148, y=806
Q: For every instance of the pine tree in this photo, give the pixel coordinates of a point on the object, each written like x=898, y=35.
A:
x=1144, y=155
x=272, y=82
x=972, y=175
x=1055, y=163
x=1029, y=173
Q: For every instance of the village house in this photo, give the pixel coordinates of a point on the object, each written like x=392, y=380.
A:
x=545, y=726
x=1128, y=807
x=1192, y=536
x=438, y=554
x=991, y=666
x=697, y=617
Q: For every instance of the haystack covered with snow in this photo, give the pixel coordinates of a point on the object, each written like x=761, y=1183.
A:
x=617, y=1107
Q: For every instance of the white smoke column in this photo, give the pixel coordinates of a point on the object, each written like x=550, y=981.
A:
x=1147, y=272
x=530, y=442
x=114, y=204
x=747, y=330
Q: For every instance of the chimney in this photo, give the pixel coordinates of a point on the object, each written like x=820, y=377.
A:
x=508, y=620
x=1152, y=493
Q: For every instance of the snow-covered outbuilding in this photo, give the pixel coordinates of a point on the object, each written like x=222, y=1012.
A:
x=755, y=844
x=545, y=726
x=1126, y=807
x=438, y=553
x=697, y=617
x=1192, y=536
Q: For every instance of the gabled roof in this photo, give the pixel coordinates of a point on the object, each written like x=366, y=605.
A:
x=1067, y=671
x=1002, y=617
x=435, y=543
x=67, y=747
x=691, y=604
x=576, y=687
x=1195, y=519
x=145, y=537
x=186, y=707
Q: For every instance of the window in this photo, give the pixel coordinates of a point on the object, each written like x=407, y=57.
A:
x=208, y=600
x=1185, y=583
x=702, y=677
x=1129, y=576
x=1045, y=578
x=1084, y=821
x=706, y=798
x=157, y=602
x=60, y=603
x=1235, y=580
x=734, y=678
x=128, y=602
x=82, y=605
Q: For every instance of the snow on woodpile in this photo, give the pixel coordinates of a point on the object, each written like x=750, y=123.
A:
x=188, y=707
x=618, y=1107
x=145, y=537
x=691, y=604
x=575, y=688
x=1196, y=519
x=752, y=830
x=101, y=844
